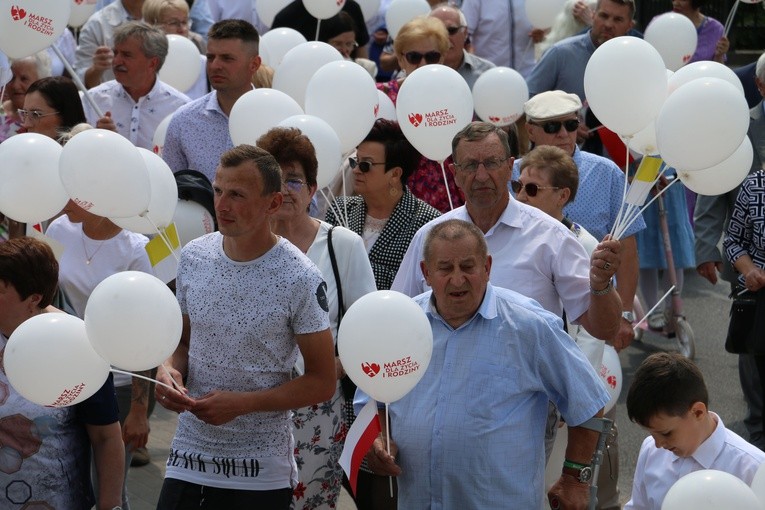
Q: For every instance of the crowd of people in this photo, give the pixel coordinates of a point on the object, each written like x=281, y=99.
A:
x=508, y=253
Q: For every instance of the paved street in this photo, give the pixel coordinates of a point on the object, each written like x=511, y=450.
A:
x=706, y=307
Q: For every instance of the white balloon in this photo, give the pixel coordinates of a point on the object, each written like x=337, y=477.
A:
x=49, y=360
x=181, y=68
x=625, y=84
x=369, y=8
x=758, y=482
x=701, y=124
x=133, y=320
x=674, y=37
x=542, y=13
x=31, y=189
x=257, y=111
x=499, y=95
x=644, y=141
x=276, y=43
x=709, y=489
x=81, y=11
x=268, y=9
x=29, y=26
x=385, y=343
x=338, y=88
x=299, y=65
x=324, y=140
x=192, y=220
x=164, y=196
x=703, y=69
x=400, y=12
x=104, y=174
x=386, y=110
x=724, y=176
x=433, y=104
x=158, y=141
x=323, y=9
x=611, y=374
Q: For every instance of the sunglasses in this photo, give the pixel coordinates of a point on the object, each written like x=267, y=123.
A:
x=33, y=116
x=415, y=57
x=454, y=30
x=530, y=188
x=553, y=126
x=364, y=166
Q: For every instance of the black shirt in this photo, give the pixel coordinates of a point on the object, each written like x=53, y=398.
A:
x=297, y=17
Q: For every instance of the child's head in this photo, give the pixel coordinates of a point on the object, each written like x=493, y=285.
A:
x=668, y=397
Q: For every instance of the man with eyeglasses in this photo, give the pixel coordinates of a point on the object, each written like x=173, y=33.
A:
x=93, y=59
x=136, y=101
x=552, y=118
x=468, y=65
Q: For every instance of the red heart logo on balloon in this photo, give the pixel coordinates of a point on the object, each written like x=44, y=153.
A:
x=686, y=58
x=371, y=369
x=78, y=2
x=17, y=13
x=377, y=109
x=611, y=381
x=494, y=119
x=415, y=119
x=340, y=2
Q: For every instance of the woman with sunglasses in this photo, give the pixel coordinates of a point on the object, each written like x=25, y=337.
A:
x=319, y=430
x=422, y=41
x=386, y=215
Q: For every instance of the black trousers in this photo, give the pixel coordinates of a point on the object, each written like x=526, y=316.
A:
x=180, y=495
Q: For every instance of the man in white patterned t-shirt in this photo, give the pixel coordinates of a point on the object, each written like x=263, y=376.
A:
x=250, y=302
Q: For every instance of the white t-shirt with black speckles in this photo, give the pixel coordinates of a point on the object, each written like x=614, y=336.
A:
x=244, y=318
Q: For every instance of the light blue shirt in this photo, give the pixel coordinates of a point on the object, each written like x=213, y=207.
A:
x=598, y=197
x=562, y=66
x=197, y=136
x=471, y=432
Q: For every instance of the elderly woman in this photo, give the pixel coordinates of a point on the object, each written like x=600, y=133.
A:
x=744, y=246
x=48, y=449
x=385, y=213
x=420, y=42
x=340, y=255
x=172, y=16
x=26, y=71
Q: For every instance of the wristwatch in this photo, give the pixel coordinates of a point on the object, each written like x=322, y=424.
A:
x=628, y=316
x=582, y=472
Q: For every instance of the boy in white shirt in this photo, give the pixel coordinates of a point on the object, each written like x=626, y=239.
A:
x=669, y=399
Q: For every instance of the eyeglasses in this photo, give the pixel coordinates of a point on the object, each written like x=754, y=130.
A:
x=454, y=30
x=551, y=127
x=415, y=57
x=364, y=166
x=530, y=188
x=293, y=185
x=489, y=164
x=177, y=23
x=33, y=116
x=350, y=46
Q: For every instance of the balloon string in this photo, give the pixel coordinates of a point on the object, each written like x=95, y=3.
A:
x=660, y=193
x=318, y=24
x=446, y=184
x=165, y=238
x=167, y=372
x=624, y=191
x=131, y=374
x=654, y=307
x=729, y=21
x=333, y=205
x=77, y=81
x=387, y=442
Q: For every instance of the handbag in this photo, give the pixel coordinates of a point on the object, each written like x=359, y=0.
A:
x=348, y=386
x=746, y=330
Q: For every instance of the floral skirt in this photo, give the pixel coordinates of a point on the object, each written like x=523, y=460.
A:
x=319, y=432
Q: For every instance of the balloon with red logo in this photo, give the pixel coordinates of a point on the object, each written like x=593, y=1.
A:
x=81, y=11
x=611, y=374
x=323, y=9
x=29, y=26
x=385, y=343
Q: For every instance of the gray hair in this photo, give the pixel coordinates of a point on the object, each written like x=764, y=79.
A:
x=42, y=63
x=454, y=7
x=153, y=40
x=453, y=230
x=476, y=131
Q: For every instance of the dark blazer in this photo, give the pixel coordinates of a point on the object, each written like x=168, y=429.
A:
x=386, y=254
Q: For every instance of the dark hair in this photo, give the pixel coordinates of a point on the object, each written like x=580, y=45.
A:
x=476, y=131
x=153, y=40
x=336, y=25
x=30, y=267
x=630, y=3
x=698, y=4
x=289, y=145
x=666, y=383
x=453, y=230
x=265, y=163
x=558, y=165
x=398, y=150
x=60, y=93
x=235, y=29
